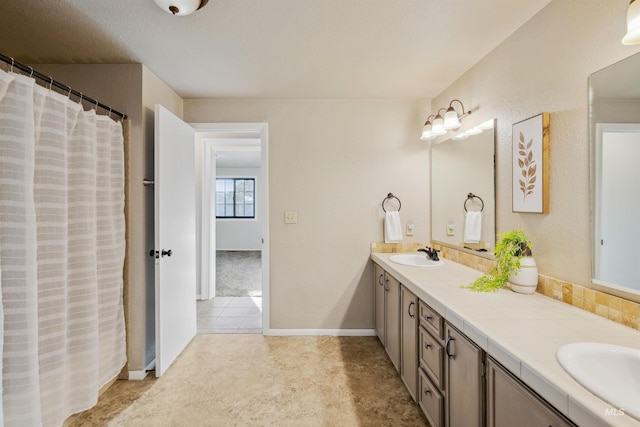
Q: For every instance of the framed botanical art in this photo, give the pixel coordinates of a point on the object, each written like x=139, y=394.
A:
x=530, y=174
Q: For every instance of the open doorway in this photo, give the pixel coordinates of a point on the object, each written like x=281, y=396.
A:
x=234, y=286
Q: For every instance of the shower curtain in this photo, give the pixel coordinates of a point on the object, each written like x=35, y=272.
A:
x=62, y=249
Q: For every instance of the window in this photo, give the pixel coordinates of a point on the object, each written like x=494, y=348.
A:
x=235, y=198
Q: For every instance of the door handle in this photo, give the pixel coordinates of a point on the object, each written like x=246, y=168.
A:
x=166, y=252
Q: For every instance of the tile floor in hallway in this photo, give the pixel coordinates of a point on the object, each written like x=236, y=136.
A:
x=230, y=315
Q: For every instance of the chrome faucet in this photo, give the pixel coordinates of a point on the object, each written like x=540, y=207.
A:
x=431, y=253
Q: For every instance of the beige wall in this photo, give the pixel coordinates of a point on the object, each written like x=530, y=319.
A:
x=332, y=161
x=544, y=66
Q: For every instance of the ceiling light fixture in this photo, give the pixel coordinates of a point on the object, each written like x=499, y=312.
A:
x=440, y=124
x=181, y=7
x=633, y=24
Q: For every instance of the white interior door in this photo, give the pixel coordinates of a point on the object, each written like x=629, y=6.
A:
x=175, y=242
x=619, y=204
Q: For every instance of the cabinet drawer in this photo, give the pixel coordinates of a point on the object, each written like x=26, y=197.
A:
x=431, y=357
x=431, y=320
x=431, y=401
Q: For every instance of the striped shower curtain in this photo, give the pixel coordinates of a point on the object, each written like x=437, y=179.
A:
x=62, y=248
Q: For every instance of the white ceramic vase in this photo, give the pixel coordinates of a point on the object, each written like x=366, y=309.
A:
x=525, y=280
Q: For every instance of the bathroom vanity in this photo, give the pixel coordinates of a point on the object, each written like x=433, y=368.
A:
x=475, y=359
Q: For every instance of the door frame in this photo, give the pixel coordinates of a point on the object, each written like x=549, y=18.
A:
x=207, y=155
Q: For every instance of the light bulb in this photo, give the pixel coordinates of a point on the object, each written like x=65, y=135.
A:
x=451, y=120
x=438, y=126
x=633, y=24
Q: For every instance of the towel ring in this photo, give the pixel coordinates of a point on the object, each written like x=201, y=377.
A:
x=391, y=196
x=472, y=196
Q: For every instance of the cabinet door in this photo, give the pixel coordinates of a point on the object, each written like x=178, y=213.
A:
x=379, y=286
x=463, y=381
x=409, y=338
x=509, y=403
x=392, y=324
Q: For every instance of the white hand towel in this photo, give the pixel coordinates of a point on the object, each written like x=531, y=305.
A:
x=473, y=227
x=392, y=227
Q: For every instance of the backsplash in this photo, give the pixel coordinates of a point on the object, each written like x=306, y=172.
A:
x=608, y=306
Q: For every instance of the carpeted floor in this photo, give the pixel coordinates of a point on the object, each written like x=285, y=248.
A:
x=253, y=380
x=238, y=274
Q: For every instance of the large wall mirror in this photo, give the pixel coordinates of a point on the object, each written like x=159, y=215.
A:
x=463, y=191
x=615, y=149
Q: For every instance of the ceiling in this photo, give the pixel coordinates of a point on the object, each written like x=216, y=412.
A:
x=236, y=152
x=382, y=49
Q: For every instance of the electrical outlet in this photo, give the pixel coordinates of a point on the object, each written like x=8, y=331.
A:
x=291, y=217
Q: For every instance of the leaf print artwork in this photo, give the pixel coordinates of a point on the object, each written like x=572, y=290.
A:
x=528, y=167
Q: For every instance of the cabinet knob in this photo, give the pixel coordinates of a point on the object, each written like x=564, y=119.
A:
x=166, y=252
x=425, y=317
x=427, y=346
x=427, y=391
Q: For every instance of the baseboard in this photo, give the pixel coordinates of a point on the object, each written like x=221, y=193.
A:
x=140, y=375
x=137, y=375
x=322, y=332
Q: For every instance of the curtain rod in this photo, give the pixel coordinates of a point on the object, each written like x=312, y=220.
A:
x=59, y=85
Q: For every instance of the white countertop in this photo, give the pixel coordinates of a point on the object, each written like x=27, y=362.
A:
x=522, y=332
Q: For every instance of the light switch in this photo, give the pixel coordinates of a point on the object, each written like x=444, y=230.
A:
x=291, y=217
x=409, y=229
x=451, y=229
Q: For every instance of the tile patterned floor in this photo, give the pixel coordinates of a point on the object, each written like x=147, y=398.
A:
x=230, y=315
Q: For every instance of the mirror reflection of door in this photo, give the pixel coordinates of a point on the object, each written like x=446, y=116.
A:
x=619, y=204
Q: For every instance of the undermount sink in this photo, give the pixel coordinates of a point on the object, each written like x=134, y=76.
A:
x=415, y=260
x=611, y=372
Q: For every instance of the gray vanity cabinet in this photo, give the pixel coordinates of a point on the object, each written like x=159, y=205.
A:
x=409, y=338
x=380, y=291
x=463, y=380
x=510, y=403
x=387, y=313
x=451, y=388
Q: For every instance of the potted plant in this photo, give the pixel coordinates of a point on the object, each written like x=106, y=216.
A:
x=514, y=265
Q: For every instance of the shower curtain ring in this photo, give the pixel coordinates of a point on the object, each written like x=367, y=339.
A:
x=13, y=61
x=69, y=94
x=81, y=99
x=50, y=82
x=96, y=106
x=109, y=112
x=31, y=74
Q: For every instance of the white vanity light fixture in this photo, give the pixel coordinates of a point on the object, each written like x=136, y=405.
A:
x=427, y=134
x=440, y=125
x=633, y=24
x=180, y=7
x=451, y=118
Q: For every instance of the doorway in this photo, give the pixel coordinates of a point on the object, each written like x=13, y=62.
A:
x=233, y=291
